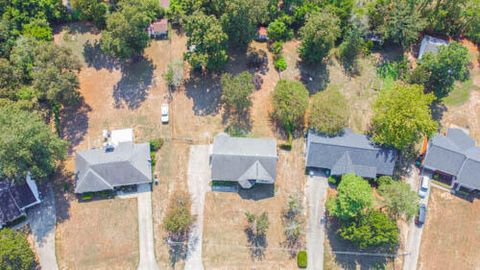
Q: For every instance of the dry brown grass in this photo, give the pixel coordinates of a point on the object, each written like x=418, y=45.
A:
x=451, y=235
x=99, y=235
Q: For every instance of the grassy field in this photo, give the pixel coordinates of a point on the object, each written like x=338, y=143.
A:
x=99, y=235
x=451, y=233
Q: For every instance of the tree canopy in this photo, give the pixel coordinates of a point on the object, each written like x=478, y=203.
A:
x=318, y=36
x=399, y=198
x=91, y=10
x=438, y=72
x=125, y=34
x=207, y=47
x=27, y=144
x=354, y=198
x=239, y=22
x=290, y=100
x=178, y=218
x=236, y=91
x=15, y=251
x=328, y=112
x=402, y=115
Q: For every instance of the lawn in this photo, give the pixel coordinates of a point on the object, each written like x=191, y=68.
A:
x=461, y=93
x=99, y=235
x=451, y=235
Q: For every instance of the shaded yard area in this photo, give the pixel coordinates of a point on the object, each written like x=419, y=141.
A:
x=451, y=237
x=99, y=235
x=225, y=242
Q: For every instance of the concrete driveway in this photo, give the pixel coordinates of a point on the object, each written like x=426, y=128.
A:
x=42, y=220
x=198, y=184
x=316, y=192
x=414, y=232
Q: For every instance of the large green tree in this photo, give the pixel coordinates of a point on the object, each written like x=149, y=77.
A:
x=438, y=72
x=328, y=112
x=399, y=198
x=236, y=91
x=397, y=20
x=125, y=34
x=350, y=49
x=27, y=144
x=318, y=36
x=353, y=200
x=239, y=21
x=374, y=229
x=290, y=101
x=91, y=10
x=402, y=116
x=207, y=48
x=15, y=251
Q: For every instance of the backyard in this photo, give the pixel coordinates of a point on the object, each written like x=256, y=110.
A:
x=451, y=233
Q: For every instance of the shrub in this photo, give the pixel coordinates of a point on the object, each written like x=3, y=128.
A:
x=256, y=58
x=286, y=146
x=328, y=112
x=87, y=196
x=302, y=259
x=156, y=144
x=280, y=63
x=179, y=218
x=15, y=251
x=332, y=180
x=276, y=47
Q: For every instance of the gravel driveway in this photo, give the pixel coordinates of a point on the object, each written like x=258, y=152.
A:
x=316, y=191
x=198, y=185
x=42, y=220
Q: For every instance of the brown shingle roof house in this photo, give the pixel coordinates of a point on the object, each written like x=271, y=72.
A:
x=158, y=29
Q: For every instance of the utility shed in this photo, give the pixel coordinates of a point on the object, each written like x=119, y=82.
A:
x=349, y=153
x=244, y=160
x=430, y=45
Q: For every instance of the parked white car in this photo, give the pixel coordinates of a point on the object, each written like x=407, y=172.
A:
x=164, y=113
x=424, y=185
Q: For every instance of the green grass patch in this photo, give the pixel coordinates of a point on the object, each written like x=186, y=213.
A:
x=460, y=93
x=440, y=184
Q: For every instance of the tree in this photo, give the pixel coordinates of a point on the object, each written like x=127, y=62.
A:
x=292, y=221
x=290, y=100
x=38, y=29
x=402, y=116
x=354, y=198
x=374, y=229
x=27, y=145
x=207, y=48
x=352, y=46
x=397, y=20
x=8, y=79
x=328, y=112
x=55, y=74
x=236, y=91
x=125, y=34
x=91, y=10
x=318, y=36
x=399, y=199
x=174, y=73
x=438, y=72
x=15, y=251
x=278, y=30
x=178, y=219
x=179, y=9
x=239, y=21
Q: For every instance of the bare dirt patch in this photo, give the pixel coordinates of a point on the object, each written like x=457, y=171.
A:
x=225, y=244
x=99, y=235
x=451, y=235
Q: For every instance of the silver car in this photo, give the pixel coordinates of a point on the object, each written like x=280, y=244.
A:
x=424, y=185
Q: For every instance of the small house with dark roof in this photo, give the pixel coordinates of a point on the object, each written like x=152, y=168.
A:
x=158, y=29
x=349, y=153
x=262, y=34
x=15, y=199
x=119, y=163
x=430, y=45
x=455, y=157
x=244, y=160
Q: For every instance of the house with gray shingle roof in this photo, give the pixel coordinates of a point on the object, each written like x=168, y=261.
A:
x=455, y=156
x=430, y=45
x=244, y=160
x=349, y=153
x=114, y=165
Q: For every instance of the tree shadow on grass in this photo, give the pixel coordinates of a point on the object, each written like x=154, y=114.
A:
x=205, y=91
x=134, y=86
x=257, y=244
x=74, y=123
x=315, y=77
x=352, y=261
x=96, y=58
x=177, y=248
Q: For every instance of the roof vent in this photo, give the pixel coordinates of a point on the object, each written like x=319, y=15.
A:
x=108, y=146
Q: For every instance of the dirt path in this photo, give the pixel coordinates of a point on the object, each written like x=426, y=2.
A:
x=198, y=185
x=316, y=191
x=42, y=219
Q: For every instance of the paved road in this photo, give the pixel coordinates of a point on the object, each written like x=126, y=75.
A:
x=42, y=219
x=414, y=232
x=316, y=191
x=198, y=185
